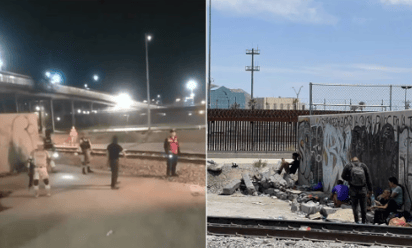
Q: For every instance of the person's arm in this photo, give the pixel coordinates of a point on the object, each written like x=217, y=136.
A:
x=345, y=173
x=166, y=146
x=395, y=192
x=368, y=178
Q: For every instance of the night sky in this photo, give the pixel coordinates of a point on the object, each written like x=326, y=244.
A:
x=83, y=38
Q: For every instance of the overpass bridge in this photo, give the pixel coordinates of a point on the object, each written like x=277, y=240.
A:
x=61, y=107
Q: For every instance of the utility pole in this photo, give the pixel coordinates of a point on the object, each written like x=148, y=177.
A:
x=210, y=33
x=252, y=68
x=297, y=97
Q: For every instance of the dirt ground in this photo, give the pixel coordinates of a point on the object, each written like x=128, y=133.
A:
x=189, y=173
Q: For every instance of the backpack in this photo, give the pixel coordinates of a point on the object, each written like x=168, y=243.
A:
x=358, y=178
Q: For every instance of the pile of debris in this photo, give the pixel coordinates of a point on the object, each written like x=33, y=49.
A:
x=265, y=182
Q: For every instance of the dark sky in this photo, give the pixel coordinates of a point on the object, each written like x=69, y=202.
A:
x=86, y=37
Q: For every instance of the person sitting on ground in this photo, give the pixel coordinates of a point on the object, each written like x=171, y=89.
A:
x=394, y=201
x=294, y=166
x=340, y=194
x=382, y=199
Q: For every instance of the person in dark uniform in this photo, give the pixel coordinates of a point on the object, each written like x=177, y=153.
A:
x=294, y=166
x=172, y=150
x=86, y=148
x=31, y=172
x=113, y=154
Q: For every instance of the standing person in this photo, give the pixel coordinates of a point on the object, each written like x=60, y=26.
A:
x=172, y=149
x=340, y=194
x=49, y=147
x=73, y=136
x=358, y=176
x=86, y=148
x=294, y=166
x=39, y=159
x=113, y=154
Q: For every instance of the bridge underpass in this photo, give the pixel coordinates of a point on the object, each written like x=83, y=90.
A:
x=61, y=107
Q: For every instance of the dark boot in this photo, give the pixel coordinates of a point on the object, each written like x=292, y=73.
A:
x=89, y=170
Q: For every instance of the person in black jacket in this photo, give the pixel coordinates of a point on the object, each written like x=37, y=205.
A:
x=113, y=154
x=172, y=150
x=358, y=176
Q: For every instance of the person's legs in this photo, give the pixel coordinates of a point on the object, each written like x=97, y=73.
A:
x=169, y=166
x=336, y=201
x=355, y=202
x=284, y=166
x=114, y=164
x=362, y=202
x=174, y=165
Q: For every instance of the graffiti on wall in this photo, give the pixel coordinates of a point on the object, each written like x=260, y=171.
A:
x=383, y=141
x=18, y=137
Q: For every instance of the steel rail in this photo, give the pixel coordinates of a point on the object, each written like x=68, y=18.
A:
x=344, y=232
x=186, y=157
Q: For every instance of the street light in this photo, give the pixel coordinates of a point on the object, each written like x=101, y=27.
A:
x=147, y=38
x=406, y=88
x=124, y=101
x=191, y=85
x=95, y=77
x=48, y=74
x=56, y=78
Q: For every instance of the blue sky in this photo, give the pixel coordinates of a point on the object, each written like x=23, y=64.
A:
x=319, y=41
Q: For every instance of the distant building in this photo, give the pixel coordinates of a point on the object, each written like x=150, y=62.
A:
x=225, y=98
x=279, y=103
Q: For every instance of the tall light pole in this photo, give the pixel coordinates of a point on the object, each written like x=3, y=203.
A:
x=297, y=95
x=147, y=38
x=406, y=88
x=210, y=33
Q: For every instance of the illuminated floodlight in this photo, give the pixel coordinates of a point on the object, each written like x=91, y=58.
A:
x=55, y=155
x=144, y=101
x=84, y=112
x=48, y=74
x=203, y=102
x=88, y=112
x=190, y=114
x=37, y=108
x=191, y=85
x=158, y=96
x=201, y=112
x=85, y=86
x=178, y=99
x=79, y=111
x=149, y=37
x=123, y=101
x=11, y=77
x=192, y=95
x=56, y=78
x=1, y=64
x=95, y=77
x=58, y=118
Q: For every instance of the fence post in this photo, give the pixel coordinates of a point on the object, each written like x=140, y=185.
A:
x=390, y=98
x=310, y=98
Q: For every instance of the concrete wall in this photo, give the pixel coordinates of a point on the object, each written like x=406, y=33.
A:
x=18, y=137
x=381, y=140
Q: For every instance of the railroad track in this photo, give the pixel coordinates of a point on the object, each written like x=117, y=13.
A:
x=187, y=157
x=319, y=231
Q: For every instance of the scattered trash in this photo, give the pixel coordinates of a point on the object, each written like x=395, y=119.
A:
x=305, y=228
x=258, y=203
x=109, y=233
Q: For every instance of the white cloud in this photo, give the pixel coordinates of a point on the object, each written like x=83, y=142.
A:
x=306, y=11
x=397, y=2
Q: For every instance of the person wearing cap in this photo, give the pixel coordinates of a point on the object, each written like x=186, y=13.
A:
x=86, y=148
x=172, y=150
x=73, y=136
x=113, y=154
x=39, y=160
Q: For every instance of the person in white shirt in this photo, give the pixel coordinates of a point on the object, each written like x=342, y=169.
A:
x=40, y=158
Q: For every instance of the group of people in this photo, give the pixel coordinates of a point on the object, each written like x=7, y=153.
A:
x=41, y=159
x=360, y=192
